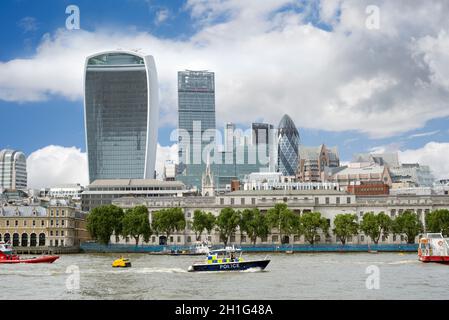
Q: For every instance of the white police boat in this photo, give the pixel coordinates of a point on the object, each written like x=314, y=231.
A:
x=228, y=259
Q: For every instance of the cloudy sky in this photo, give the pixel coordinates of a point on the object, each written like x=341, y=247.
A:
x=361, y=75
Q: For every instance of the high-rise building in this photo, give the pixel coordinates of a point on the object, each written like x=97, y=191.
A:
x=263, y=136
x=13, y=170
x=196, y=112
x=288, y=147
x=229, y=138
x=121, y=111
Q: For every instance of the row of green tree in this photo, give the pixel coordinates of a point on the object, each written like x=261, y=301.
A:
x=105, y=221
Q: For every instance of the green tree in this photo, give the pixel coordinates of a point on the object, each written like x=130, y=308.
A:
x=167, y=221
x=255, y=224
x=136, y=224
x=210, y=222
x=310, y=224
x=283, y=219
x=104, y=221
x=227, y=223
x=407, y=223
x=199, y=223
x=345, y=226
x=376, y=225
x=438, y=221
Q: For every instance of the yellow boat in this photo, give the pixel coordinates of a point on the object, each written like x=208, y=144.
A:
x=121, y=263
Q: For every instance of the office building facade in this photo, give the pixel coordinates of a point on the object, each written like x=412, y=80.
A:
x=121, y=115
x=288, y=147
x=13, y=170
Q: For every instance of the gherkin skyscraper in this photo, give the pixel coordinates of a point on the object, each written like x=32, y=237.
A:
x=288, y=147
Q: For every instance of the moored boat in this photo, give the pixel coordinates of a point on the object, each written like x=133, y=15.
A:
x=7, y=257
x=227, y=260
x=433, y=247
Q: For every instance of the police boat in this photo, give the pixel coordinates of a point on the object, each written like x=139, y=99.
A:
x=227, y=259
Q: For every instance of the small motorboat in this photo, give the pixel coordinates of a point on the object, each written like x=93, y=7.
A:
x=7, y=257
x=121, y=263
x=226, y=260
x=433, y=247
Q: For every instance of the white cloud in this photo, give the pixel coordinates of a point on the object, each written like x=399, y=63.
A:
x=28, y=24
x=269, y=60
x=433, y=154
x=424, y=134
x=55, y=165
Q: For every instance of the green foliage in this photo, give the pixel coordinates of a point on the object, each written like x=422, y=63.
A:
x=254, y=224
x=407, y=223
x=202, y=221
x=376, y=225
x=438, y=221
x=136, y=224
x=345, y=226
x=105, y=221
x=283, y=219
x=227, y=223
x=167, y=221
x=310, y=225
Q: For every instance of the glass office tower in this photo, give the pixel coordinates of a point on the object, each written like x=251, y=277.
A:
x=13, y=170
x=288, y=147
x=196, y=109
x=121, y=115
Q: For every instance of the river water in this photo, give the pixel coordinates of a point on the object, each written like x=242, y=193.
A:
x=294, y=276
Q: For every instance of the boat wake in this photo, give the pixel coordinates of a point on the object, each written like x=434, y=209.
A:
x=404, y=262
x=252, y=270
x=160, y=270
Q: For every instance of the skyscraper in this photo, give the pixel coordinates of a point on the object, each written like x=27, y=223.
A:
x=288, y=147
x=121, y=111
x=13, y=170
x=263, y=137
x=229, y=139
x=196, y=112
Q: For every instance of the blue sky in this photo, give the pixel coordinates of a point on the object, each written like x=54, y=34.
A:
x=57, y=119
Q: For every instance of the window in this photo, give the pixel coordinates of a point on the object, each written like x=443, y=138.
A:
x=221, y=200
x=362, y=238
x=51, y=233
x=153, y=239
x=338, y=200
x=62, y=243
x=62, y=212
x=394, y=237
x=317, y=201
x=253, y=200
x=275, y=238
x=7, y=223
x=34, y=223
x=189, y=214
x=232, y=200
x=327, y=200
x=296, y=238
x=243, y=238
x=348, y=200
x=57, y=233
x=384, y=238
x=24, y=223
x=16, y=223
x=242, y=201
x=189, y=239
x=62, y=222
x=232, y=238
x=178, y=239
x=264, y=239
x=42, y=223
x=171, y=239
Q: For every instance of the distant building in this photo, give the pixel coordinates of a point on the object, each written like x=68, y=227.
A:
x=72, y=191
x=13, y=170
x=196, y=112
x=103, y=192
x=263, y=136
x=170, y=169
x=413, y=175
x=207, y=185
x=390, y=160
x=313, y=162
x=57, y=225
x=229, y=139
x=288, y=147
x=121, y=114
x=369, y=188
x=362, y=172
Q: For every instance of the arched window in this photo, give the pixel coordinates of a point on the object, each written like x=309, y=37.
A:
x=7, y=237
x=41, y=239
x=33, y=240
x=15, y=240
x=24, y=241
x=0, y=237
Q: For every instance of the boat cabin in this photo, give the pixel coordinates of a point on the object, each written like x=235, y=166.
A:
x=433, y=244
x=227, y=255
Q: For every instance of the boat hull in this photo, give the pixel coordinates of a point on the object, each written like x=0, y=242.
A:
x=436, y=259
x=44, y=259
x=230, y=266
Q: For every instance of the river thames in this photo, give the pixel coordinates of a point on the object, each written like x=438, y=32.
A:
x=294, y=276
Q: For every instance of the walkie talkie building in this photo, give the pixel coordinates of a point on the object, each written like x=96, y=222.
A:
x=121, y=111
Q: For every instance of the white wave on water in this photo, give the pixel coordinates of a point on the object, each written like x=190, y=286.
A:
x=160, y=270
x=251, y=270
x=404, y=262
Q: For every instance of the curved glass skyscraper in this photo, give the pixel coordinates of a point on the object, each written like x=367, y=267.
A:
x=13, y=170
x=121, y=114
x=288, y=147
